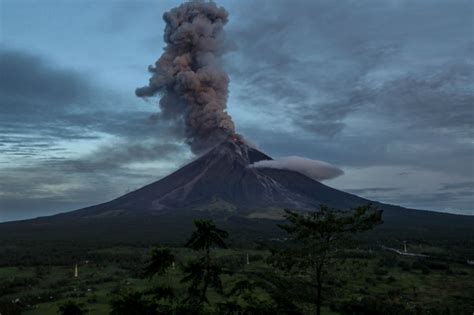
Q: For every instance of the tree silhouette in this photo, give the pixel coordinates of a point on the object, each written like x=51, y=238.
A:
x=316, y=235
x=203, y=272
x=206, y=235
x=161, y=260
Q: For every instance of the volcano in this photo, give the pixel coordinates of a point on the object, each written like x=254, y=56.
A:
x=220, y=184
x=222, y=179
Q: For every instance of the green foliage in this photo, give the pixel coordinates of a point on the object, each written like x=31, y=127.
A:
x=162, y=293
x=7, y=307
x=161, y=260
x=230, y=307
x=203, y=272
x=132, y=303
x=329, y=224
x=266, y=294
x=380, y=272
x=388, y=260
x=405, y=266
x=373, y=306
x=348, y=279
x=318, y=235
x=15, y=284
x=71, y=308
x=206, y=235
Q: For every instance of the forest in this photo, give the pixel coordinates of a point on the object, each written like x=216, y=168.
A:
x=323, y=262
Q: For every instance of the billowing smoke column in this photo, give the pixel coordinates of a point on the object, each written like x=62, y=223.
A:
x=188, y=75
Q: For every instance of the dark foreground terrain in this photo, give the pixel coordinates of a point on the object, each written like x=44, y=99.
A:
x=37, y=266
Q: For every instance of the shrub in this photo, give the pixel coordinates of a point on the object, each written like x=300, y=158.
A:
x=388, y=261
x=132, y=303
x=372, y=306
x=71, y=308
x=380, y=272
x=391, y=279
x=404, y=265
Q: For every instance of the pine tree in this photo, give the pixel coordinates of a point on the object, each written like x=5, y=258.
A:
x=317, y=235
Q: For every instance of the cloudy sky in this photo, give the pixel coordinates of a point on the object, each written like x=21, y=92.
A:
x=382, y=89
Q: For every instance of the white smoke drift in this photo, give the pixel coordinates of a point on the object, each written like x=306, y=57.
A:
x=188, y=75
x=317, y=170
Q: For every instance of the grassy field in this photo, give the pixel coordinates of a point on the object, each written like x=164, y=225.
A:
x=359, y=273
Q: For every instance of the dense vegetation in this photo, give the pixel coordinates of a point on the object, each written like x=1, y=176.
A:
x=216, y=273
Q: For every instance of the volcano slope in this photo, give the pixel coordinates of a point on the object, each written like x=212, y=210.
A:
x=221, y=185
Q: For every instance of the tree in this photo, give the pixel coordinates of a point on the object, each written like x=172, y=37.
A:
x=317, y=235
x=263, y=294
x=205, y=236
x=71, y=308
x=132, y=303
x=203, y=272
x=161, y=260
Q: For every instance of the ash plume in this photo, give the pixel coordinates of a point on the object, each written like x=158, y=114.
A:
x=188, y=76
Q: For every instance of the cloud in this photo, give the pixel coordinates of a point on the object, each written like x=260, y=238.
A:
x=114, y=156
x=30, y=86
x=68, y=143
x=43, y=104
x=316, y=77
x=317, y=170
x=435, y=97
x=36, y=96
x=45, y=186
x=188, y=77
x=454, y=202
x=455, y=186
x=371, y=190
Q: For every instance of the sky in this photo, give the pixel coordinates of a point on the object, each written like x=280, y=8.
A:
x=382, y=89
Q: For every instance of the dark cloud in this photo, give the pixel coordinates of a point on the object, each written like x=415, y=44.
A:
x=44, y=107
x=369, y=146
x=35, y=95
x=407, y=62
x=54, y=184
x=188, y=76
x=463, y=185
x=30, y=86
x=112, y=157
x=43, y=104
x=365, y=83
x=437, y=97
x=39, y=189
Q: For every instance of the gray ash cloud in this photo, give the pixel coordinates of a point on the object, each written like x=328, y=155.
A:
x=188, y=77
